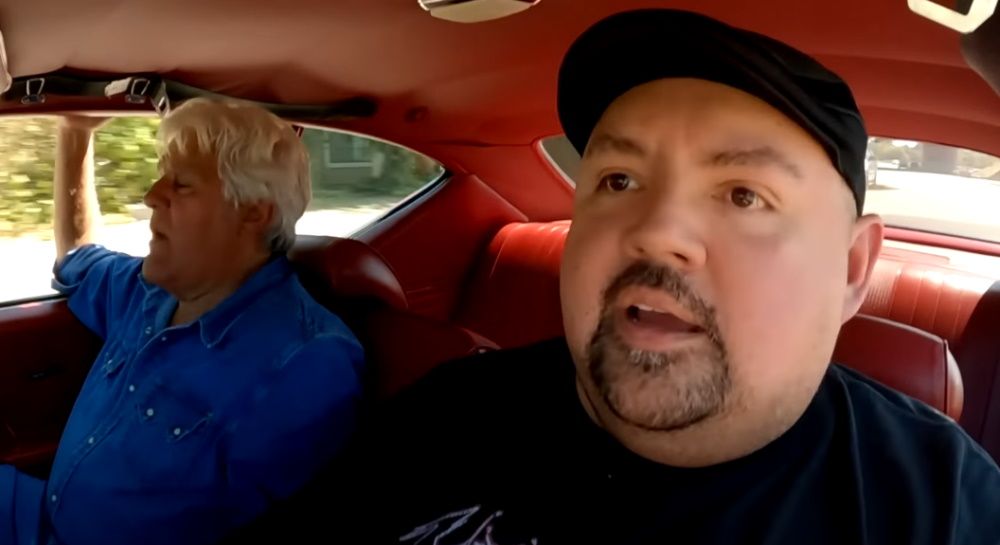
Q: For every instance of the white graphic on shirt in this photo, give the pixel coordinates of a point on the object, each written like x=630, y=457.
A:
x=451, y=524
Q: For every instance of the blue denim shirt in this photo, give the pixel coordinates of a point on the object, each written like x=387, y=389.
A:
x=182, y=433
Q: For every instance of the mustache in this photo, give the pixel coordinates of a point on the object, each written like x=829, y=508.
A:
x=647, y=274
x=659, y=277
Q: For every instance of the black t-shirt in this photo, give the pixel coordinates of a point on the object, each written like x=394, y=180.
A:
x=497, y=449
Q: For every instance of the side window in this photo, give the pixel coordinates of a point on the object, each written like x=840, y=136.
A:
x=124, y=167
x=356, y=180
x=933, y=187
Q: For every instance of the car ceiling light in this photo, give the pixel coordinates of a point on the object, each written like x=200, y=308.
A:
x=966, y=23
x=475, y=11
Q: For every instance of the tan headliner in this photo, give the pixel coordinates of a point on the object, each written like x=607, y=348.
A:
x=490, y=83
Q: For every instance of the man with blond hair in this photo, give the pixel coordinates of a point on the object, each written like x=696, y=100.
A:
x=222, y=386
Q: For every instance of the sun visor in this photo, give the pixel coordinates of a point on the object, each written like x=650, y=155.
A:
x=980, y=48
x=5, y=79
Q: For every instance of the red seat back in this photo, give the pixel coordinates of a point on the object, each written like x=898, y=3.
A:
x=922, y=290
x=513, y=296
x=910, y=360
x=979, y=357
x=352, y=279
x=513, y=299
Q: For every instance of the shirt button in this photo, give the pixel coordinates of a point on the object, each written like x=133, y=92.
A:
x=53, y=497
x=177, y=431
x=90, y=440
x=131, y=387
x=163, y=338
x=150, y=412
x=149, y=331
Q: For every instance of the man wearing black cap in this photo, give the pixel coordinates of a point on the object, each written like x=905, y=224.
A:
x=717, y=246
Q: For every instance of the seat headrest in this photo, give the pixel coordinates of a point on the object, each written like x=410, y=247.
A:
x=522, y=259
x=908, y=359
x=347, y=269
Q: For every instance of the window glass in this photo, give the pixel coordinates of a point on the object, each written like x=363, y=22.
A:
x=916, y=185
x=931, y=187
x=124, y=167
x=355, y=181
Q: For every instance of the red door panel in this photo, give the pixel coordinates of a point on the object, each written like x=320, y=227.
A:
x=433, y=246
x=45, y=354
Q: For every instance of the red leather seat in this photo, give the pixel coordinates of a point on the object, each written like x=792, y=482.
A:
x=922, y=290
x=979, y=360
x=513, y=298
x=912, y=361
x=353, y=280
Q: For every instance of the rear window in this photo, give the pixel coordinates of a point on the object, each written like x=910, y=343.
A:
x=357, y=179
x=914, y=185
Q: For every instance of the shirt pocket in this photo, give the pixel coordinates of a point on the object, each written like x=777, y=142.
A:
x=173, y=436
x=171, y=416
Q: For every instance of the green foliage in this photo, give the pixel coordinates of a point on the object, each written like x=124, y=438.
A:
x=124, y=159
x=27, y=153
x=125, y=162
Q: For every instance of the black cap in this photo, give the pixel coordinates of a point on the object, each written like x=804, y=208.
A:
x=631, y=48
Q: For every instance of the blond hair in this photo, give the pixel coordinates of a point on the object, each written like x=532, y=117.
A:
x=260, y=157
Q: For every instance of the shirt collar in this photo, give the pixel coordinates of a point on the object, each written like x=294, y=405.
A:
x=215, y=323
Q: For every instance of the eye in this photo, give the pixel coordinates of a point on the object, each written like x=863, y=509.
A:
x=616, y=182
x=745, y=198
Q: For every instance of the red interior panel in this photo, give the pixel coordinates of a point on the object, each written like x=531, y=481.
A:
x=944, y=241
x=431, y=251
x=522, y=175
x=46, y=355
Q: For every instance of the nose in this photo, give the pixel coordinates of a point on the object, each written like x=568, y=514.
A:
x=154, y=197
x=667, y=230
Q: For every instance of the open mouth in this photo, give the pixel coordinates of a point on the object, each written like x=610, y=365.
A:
x=657, y=320
x=653, y=320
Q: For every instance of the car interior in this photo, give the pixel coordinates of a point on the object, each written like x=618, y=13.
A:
x=470, y=263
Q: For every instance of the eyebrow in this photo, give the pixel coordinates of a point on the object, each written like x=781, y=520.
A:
x=603, y=142
x=763, y=156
